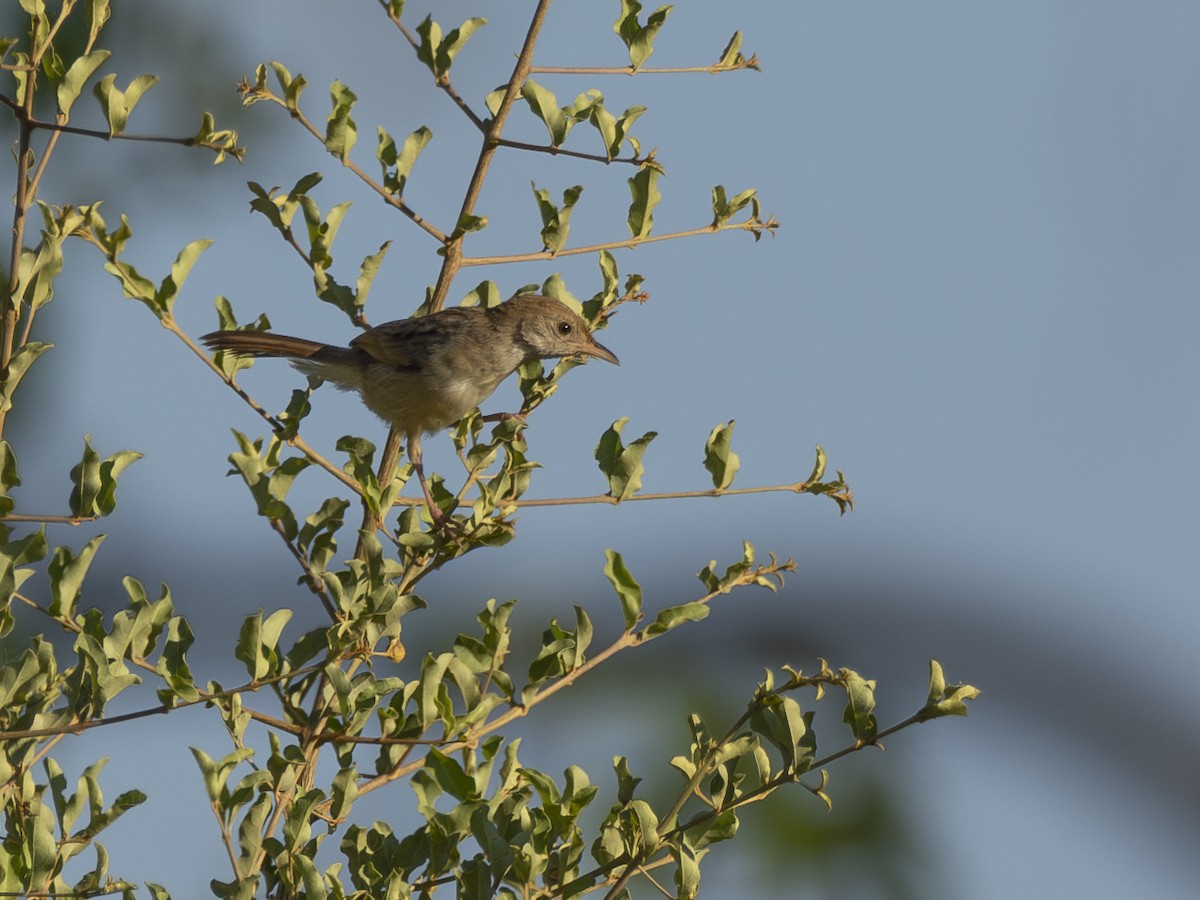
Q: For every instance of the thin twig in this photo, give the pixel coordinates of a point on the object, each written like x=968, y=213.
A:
x=452, y=260
x=387, y=473
x=799, y=487
x=444, y=81
x=104, y=135
x=389, y=198
x=577, y=154
x=715, y=68
x=543, y=255
x=311, y=578
x=631, y=638
x=56, y=520
x=276, y=425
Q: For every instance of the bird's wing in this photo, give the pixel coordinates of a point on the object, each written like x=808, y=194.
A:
x=406, y=344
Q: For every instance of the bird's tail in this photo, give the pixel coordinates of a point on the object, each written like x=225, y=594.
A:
x=264, y=343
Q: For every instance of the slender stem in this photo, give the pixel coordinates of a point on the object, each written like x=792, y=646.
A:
x=387, y=471
x=311, y=578
x=21, y=201
x=298, y=442
x=751, y=63
x=104, y=135
x=55, y=520
x=543, y=255
x=561, y=151
x=627, y=639
x=631, y=638
x=388, y=197
x=799, y=487
x=453, y=259
x=444, y=81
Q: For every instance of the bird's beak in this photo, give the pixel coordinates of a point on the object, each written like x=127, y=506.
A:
x=598, y=350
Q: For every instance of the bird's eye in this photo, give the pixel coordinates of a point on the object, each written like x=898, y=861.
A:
x=565, y=328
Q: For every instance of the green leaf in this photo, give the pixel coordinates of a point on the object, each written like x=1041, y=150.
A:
x=836, y=490
x=722, y=463
x=67, y=572
x=449, y=775
x=14, y=556
x=431, y=690
x=629, y=592
x=486, y=294
x=731, y=55
x=135, y=285
x=674, y=616
x=21, y=360
x=818, y=470
x=622, y=465
x=38, y=269
x=366, y=275
x=643, y=187
x=95, y=481
x=786, y=727
x=398, y=163
x=469, y=222
x=117, y=105
x=558, y=120
x=172, y=664
x=341, y=133
x=860, y=706
x=556, y=220
x=292, y=87
x=438, y=51
x=613, y=129
x=223, y=141
x=164, y=297
x=8, y=476
x=946, y=700
x=258, y=642
x=638, y=38
x=647, y=826
x=83, y=68
x=687, y=870
x=724, y=209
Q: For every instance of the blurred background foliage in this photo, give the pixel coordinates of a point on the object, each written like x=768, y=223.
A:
x=982, y=303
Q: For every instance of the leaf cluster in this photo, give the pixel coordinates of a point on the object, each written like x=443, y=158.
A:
x=341, y=710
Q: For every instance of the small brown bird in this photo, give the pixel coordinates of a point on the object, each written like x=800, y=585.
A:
x=423, y=374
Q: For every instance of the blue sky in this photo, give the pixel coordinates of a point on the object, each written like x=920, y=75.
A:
x=982, y=303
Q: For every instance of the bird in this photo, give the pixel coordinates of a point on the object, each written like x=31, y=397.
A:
x=423, y=374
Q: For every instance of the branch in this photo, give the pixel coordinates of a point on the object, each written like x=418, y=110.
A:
x=754, y=225
x=276, y=426
x=577, y=154
x=57, y=520
x=715, y=68
x=799, y=487
x=388, y=197
x=444, y=81
x=103, y=134
x=453, y=259
x=630, y=638
x=78, y=727
x=633, y=865
x=387, y=470
x=311, y=578
x=627, y=639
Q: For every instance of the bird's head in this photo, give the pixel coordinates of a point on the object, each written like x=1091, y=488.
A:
x=551, y=328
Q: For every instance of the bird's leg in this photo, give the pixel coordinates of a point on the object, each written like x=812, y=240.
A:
x=440, y=520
